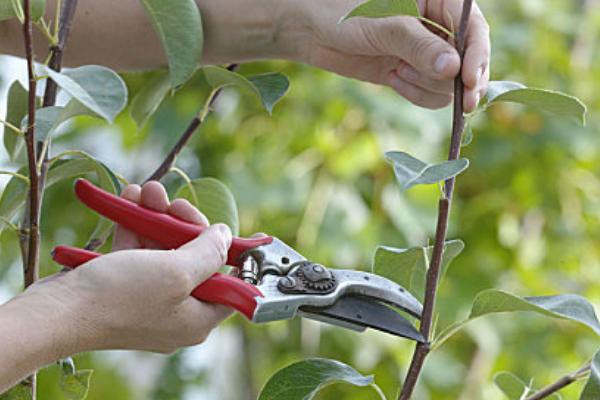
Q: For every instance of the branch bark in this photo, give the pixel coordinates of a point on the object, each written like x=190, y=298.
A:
x=30, y=229
x=169, y=161
x=433, y=273
x=37, y=151
x=561, y=383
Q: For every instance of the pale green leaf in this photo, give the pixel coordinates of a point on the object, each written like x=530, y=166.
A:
x=567, y=306
x=19, y=392
x=411, y=171
x=48, y=119
x=10, y=8
x=178, y=25
x=77, y=385
x=268, y=88
x=147, y=100
x=591, y=391
x=16, y=110
x=214, y=200
x=511, y=385
x=97, y=88
x=303, y=380
x=383, y=9
x=547, y=100
x=408, y=267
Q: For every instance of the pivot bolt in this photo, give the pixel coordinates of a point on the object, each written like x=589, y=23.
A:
x=287, y=282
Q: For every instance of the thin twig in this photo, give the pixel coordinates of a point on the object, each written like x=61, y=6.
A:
x=169, y=161
x=560, y=383
x=433, y=273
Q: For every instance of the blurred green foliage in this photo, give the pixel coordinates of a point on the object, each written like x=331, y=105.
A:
x=314, y=175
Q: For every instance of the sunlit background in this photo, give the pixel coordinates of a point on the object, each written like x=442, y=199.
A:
x=314, y=175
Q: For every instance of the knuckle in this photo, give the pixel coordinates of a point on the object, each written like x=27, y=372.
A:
x=217, y=246
x=176, y=280
x=422, y=47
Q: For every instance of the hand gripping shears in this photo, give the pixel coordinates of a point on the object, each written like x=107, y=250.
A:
x=272, y=280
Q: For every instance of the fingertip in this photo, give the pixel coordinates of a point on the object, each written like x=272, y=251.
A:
x=223, y=231
x=132, y=192
x=154, y=196
x=183, y=209
x=446, y=64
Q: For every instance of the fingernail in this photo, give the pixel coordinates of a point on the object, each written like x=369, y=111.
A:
x=477, y=98
x=441, y=63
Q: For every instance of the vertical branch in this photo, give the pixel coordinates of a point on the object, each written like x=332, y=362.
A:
x=67, y=13
x=31, y=227
x=30, y=234
x=433, y=273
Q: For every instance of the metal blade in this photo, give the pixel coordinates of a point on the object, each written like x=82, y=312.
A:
x=356, y=312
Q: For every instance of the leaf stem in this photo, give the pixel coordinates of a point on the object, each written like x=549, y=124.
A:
x=11, y=127
x=16, y=175
x=379, y=391
x=458, y=124
x=561, y=383
x=436, y=25
x=188, y=182
x=194, y=124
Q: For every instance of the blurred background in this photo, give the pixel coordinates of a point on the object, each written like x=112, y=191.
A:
x=313, y=174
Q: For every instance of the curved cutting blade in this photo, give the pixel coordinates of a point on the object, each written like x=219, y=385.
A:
x=358, y=313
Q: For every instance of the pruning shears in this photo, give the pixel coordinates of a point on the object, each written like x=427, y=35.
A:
x=272, y=281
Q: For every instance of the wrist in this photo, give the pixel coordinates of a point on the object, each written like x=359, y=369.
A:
x=258, y=29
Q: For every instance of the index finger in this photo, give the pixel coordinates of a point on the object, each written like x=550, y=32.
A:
x=183, y=209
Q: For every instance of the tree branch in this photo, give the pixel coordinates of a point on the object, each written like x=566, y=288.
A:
x=433, y=273
x=561, y=383
x=169, y=161
x=30, y=234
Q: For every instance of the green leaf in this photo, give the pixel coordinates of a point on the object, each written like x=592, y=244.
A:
x=13, y=197
x=214, y=200
x=77, y=385
x=147, y=100
x=567, y=306
x=14, y=8
x=302, y=380
x=48, y=119
x=268, y=88
x=15, y=192
x=591, y=391
x=272, y=87
x=547, y=100
x=178, y=25
x=410, y=171
x=16, y=110
x=511, y=385
x=19, y=392
x=408, y=267
x=383, y=9
x=97, y=88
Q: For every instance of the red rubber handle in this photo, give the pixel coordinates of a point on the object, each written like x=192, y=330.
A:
x=221, y=289
x=165, y=229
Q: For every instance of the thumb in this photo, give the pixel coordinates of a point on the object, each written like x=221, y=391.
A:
x=425, y=51
x=207, y=253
